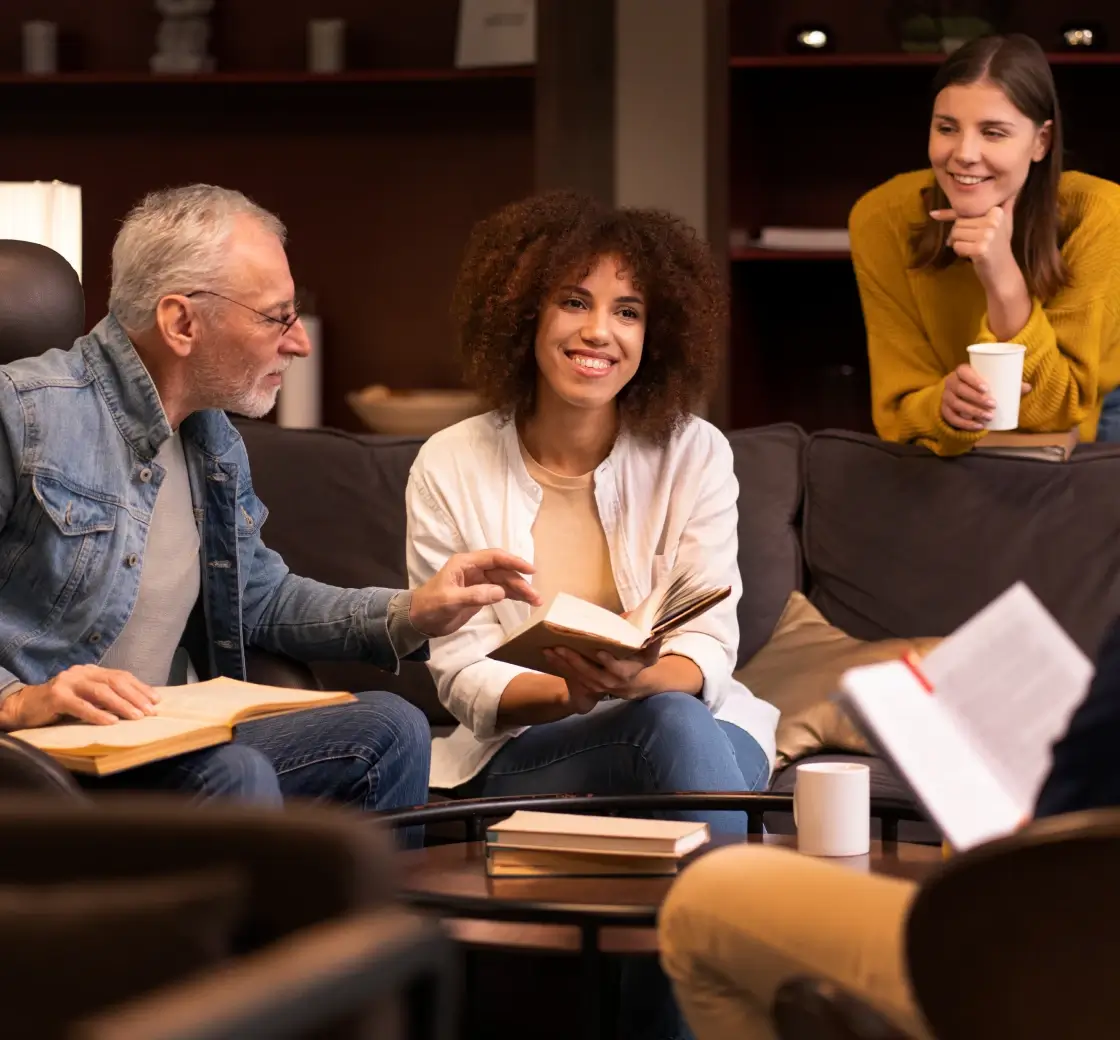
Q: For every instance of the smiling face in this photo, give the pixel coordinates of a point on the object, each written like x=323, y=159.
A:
x=982, y=147
x=589, y=337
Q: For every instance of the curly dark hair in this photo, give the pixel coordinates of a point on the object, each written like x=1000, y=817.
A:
x=517, y=257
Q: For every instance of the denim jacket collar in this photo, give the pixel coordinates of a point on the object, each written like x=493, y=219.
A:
x=134, y=401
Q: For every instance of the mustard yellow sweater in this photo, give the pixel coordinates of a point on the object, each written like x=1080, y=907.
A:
x=919, y=323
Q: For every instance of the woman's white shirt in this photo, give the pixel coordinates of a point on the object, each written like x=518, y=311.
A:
x=469, y=489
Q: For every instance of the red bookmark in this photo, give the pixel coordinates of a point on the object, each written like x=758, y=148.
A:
x=910, y=659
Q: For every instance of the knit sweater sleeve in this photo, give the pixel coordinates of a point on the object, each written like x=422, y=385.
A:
x=1066, y=337
x=907, y=377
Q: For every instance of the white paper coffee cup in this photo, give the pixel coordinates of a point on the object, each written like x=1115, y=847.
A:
x=1000, y=365
x=832, y=808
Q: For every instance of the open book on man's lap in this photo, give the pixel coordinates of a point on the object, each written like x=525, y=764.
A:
x=568, y=621
x=188, y=718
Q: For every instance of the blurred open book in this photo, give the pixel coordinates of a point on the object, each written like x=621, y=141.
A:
x=970, y=728
x=187, y=718
x=574, y=623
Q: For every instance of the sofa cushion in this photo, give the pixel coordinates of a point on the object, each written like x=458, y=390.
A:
x=798, y=671
x=901, y=543
x=336, y=514
x=768, y=463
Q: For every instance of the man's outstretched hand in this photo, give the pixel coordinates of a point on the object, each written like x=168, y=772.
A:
x=464, y=585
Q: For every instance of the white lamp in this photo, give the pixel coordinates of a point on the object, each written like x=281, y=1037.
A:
x=47, y=212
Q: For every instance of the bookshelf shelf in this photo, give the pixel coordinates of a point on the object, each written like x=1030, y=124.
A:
x=264, y=78
x=746, y=254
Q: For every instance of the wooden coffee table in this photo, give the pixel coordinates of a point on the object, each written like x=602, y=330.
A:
x=591, y=918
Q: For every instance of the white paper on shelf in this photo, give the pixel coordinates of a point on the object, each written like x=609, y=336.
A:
x=804, y=238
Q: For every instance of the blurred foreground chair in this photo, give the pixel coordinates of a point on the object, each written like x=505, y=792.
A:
x=147, y=918
x=1015, y=938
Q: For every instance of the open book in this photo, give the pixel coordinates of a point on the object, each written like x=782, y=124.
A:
x=187, y=718
x=586, y=628
x=971, y=727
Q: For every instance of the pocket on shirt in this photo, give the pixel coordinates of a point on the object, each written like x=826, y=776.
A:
x=661, y=568
x=59, y=545
x=251, y=515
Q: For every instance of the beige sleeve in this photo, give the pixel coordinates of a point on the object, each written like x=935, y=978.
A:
x=743, y=920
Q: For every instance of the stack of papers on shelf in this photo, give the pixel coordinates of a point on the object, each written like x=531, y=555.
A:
x=545, y=844
x=807, y=239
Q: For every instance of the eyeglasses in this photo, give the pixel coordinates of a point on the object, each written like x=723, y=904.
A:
x=285, y=323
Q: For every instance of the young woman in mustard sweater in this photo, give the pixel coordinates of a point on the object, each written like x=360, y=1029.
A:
x=994, y=244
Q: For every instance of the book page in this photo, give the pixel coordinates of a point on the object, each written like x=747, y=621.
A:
x=87, y=738
x=1011, y=678
x=674, y=600
x=578, y=615
x=225, y=700
x=946, y=772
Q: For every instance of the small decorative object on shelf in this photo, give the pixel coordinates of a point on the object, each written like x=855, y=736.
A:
x=811, y=39
x=183, y=37
x=496, y=32
x=1084, y=36
x=922, y=27
x=40, y=48
x=326, y=45
x=412, y=413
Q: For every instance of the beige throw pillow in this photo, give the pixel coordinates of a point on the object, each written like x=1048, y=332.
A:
x=799, y=669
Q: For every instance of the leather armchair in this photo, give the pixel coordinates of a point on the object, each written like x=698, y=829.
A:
x=42, y=305
x=1013, y=938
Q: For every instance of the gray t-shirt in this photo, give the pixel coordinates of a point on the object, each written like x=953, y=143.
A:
x=169, y=580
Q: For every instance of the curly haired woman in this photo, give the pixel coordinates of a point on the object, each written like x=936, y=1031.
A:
x=592, y=334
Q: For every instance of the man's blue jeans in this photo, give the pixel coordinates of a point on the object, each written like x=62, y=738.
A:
x=1109, y=427
x=373, y=755
x=669, y=742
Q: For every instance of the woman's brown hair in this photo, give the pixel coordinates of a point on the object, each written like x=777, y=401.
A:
x=1017, y=65
x=516, y=258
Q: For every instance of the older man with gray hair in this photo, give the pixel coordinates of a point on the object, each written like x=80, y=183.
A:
x=126, y=507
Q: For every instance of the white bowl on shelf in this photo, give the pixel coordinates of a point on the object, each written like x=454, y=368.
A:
x=412, y=413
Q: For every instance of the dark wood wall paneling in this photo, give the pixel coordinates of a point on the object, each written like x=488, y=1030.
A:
x=378, y=182
x=809, y=136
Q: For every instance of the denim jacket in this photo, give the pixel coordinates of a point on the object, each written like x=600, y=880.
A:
x=79, y=430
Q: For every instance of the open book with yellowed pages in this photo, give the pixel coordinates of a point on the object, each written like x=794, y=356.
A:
x=187, y=718
x=587, y=628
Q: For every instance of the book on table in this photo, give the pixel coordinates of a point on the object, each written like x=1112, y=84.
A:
x=568, y=621
x=187, y=718
x=538, y=844
x=970, y=728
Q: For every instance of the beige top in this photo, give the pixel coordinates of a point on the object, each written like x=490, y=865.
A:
x=570, y=551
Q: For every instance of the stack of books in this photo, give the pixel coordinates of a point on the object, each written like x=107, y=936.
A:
x=545, y=844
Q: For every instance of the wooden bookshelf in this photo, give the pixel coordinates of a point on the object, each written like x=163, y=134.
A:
x=379, y=172
x=265, y=77
x=808, y=135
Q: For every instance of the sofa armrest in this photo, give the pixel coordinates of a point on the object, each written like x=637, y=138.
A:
x=271, y=669
x=807, y=1008
x=26, y=769
x=315, y=978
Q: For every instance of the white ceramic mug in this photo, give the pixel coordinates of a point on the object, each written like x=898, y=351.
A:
x=832, y=808
x=1000, y=365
